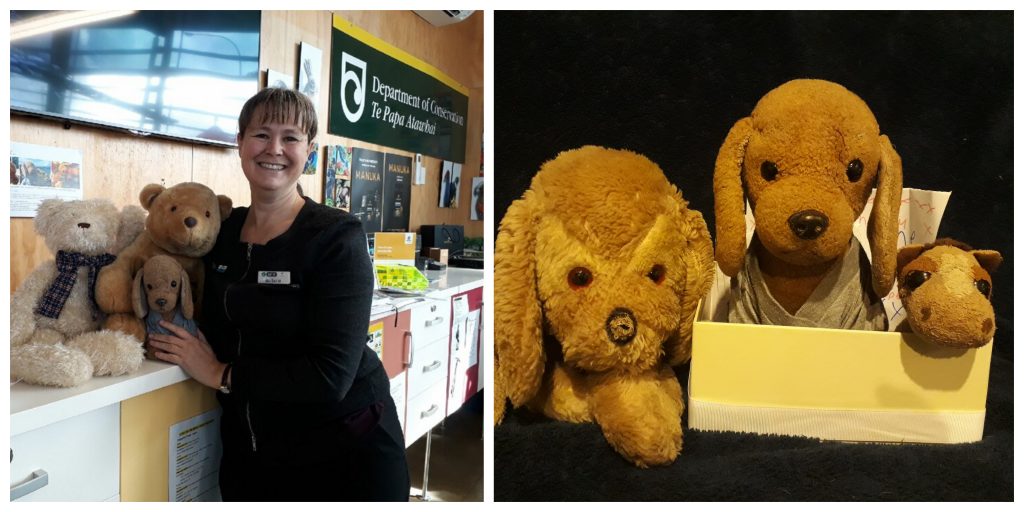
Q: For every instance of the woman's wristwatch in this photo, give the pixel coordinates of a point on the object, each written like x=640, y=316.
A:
x=225, y=385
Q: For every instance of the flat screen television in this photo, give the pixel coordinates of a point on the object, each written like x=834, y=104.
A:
x=176, y=74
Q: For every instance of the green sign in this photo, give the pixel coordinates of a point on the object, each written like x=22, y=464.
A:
x=382, y=95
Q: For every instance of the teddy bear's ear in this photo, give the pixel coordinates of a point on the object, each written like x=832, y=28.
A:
x=225, y=206
x=883, y=226
x=700, y=272
x=989, y=260
x=132, y=223
x=45, y=213
x=518, y=336
x=906, y=255
x=139, y=303
x=149, y=193
x=185, y=299
x=730, y=223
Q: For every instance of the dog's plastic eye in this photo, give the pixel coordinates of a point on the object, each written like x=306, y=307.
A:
x=984, y=287
x=174, y=208
x=916, y=278
x=855, y=170
x=207, y=214
x=657, y=274
x=149, y=287
x=174, y=284
x=769, y=170
x=580, y=277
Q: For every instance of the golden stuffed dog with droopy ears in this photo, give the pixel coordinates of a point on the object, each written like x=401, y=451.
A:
x=598, y=271
x=807, y=158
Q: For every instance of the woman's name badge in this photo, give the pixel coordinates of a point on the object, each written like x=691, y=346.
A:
x=274, y=277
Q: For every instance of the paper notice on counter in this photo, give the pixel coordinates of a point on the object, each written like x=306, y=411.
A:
x=194, y=459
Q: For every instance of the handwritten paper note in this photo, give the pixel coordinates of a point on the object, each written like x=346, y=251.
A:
x=920, y=214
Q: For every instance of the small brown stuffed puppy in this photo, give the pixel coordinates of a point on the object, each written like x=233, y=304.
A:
x=807, y=159
x=946, y=289
x=598, y=271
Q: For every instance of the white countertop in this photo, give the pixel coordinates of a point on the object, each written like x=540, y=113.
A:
x=443, y=285
x=37, y=406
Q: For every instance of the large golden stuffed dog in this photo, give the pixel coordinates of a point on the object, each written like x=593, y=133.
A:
x=598, y=271
x=807, y=158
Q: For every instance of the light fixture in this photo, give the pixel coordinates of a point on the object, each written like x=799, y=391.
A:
x=59, y=20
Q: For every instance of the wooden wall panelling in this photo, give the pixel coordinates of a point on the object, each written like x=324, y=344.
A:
x=118, y=165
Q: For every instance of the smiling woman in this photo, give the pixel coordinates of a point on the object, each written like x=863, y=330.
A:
x=308, y=412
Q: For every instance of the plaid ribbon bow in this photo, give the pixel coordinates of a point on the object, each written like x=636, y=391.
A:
x=52, y=302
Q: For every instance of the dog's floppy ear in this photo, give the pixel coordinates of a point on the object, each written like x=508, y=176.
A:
x=185, y=297
x=883, y=226
x=730, y=224
x=518, y=319
x=139, y=303
x=700, y=272
x=907, y=254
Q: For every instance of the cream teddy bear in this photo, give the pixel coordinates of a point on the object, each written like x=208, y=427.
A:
x=55, y=339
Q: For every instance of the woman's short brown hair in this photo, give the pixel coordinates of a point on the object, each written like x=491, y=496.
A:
x=280, y=105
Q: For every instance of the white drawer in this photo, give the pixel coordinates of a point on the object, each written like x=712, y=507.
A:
x=80, y=455
x=425, y=410
x=429, y=365
x=430, y=320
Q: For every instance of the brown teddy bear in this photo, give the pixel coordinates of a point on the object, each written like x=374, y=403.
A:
x=806, y=160
x=162, y=292
x=946, y=289
x=598, y=272
x=55, y=324
x=183, y=223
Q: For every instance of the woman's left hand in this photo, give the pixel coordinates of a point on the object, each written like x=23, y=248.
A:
x=192, y=354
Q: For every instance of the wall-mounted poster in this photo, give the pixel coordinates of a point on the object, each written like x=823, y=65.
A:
x=448, y=193
x=383, y=95
x=313, y=161
x=41, y=172
x=397, y=192
x=367, y=178
x=338, y=177
x=476, y=210
x=310, y=67
x=279, y=79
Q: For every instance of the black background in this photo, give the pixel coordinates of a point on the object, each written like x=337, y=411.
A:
x=669, y=86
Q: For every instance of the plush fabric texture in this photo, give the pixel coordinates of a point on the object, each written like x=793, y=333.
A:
x=841, y=298
x=941, y=286
x=669, y=85
x=808, y=147
x=183, y=223
x=600, y=267
x=68, y=348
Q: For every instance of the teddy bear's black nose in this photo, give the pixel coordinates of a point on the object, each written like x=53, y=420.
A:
x=190, y=222
x=84, y=225
x=808, y=224
x=621, y=326
x=161, y=302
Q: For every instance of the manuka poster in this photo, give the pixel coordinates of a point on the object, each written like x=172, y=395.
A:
x=338, y=177
x=397, y=191
x=367, y=178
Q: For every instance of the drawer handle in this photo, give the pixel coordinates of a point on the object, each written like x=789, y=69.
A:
x=432, y=366
x=428, y=412
x=431, y=323
x=38, y=480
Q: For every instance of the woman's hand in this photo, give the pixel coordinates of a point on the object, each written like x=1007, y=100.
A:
x=192, y=354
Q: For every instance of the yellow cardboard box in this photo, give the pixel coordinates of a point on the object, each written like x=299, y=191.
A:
x=832, y=383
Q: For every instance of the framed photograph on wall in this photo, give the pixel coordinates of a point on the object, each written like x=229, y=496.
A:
x=279, y=79
x=310, y=69
x=476, y=210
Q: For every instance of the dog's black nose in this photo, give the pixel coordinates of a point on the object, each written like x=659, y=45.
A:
x=161, y=302
x=621, y=326
x=808, y=224
x=190, y=222
x=84, y=225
